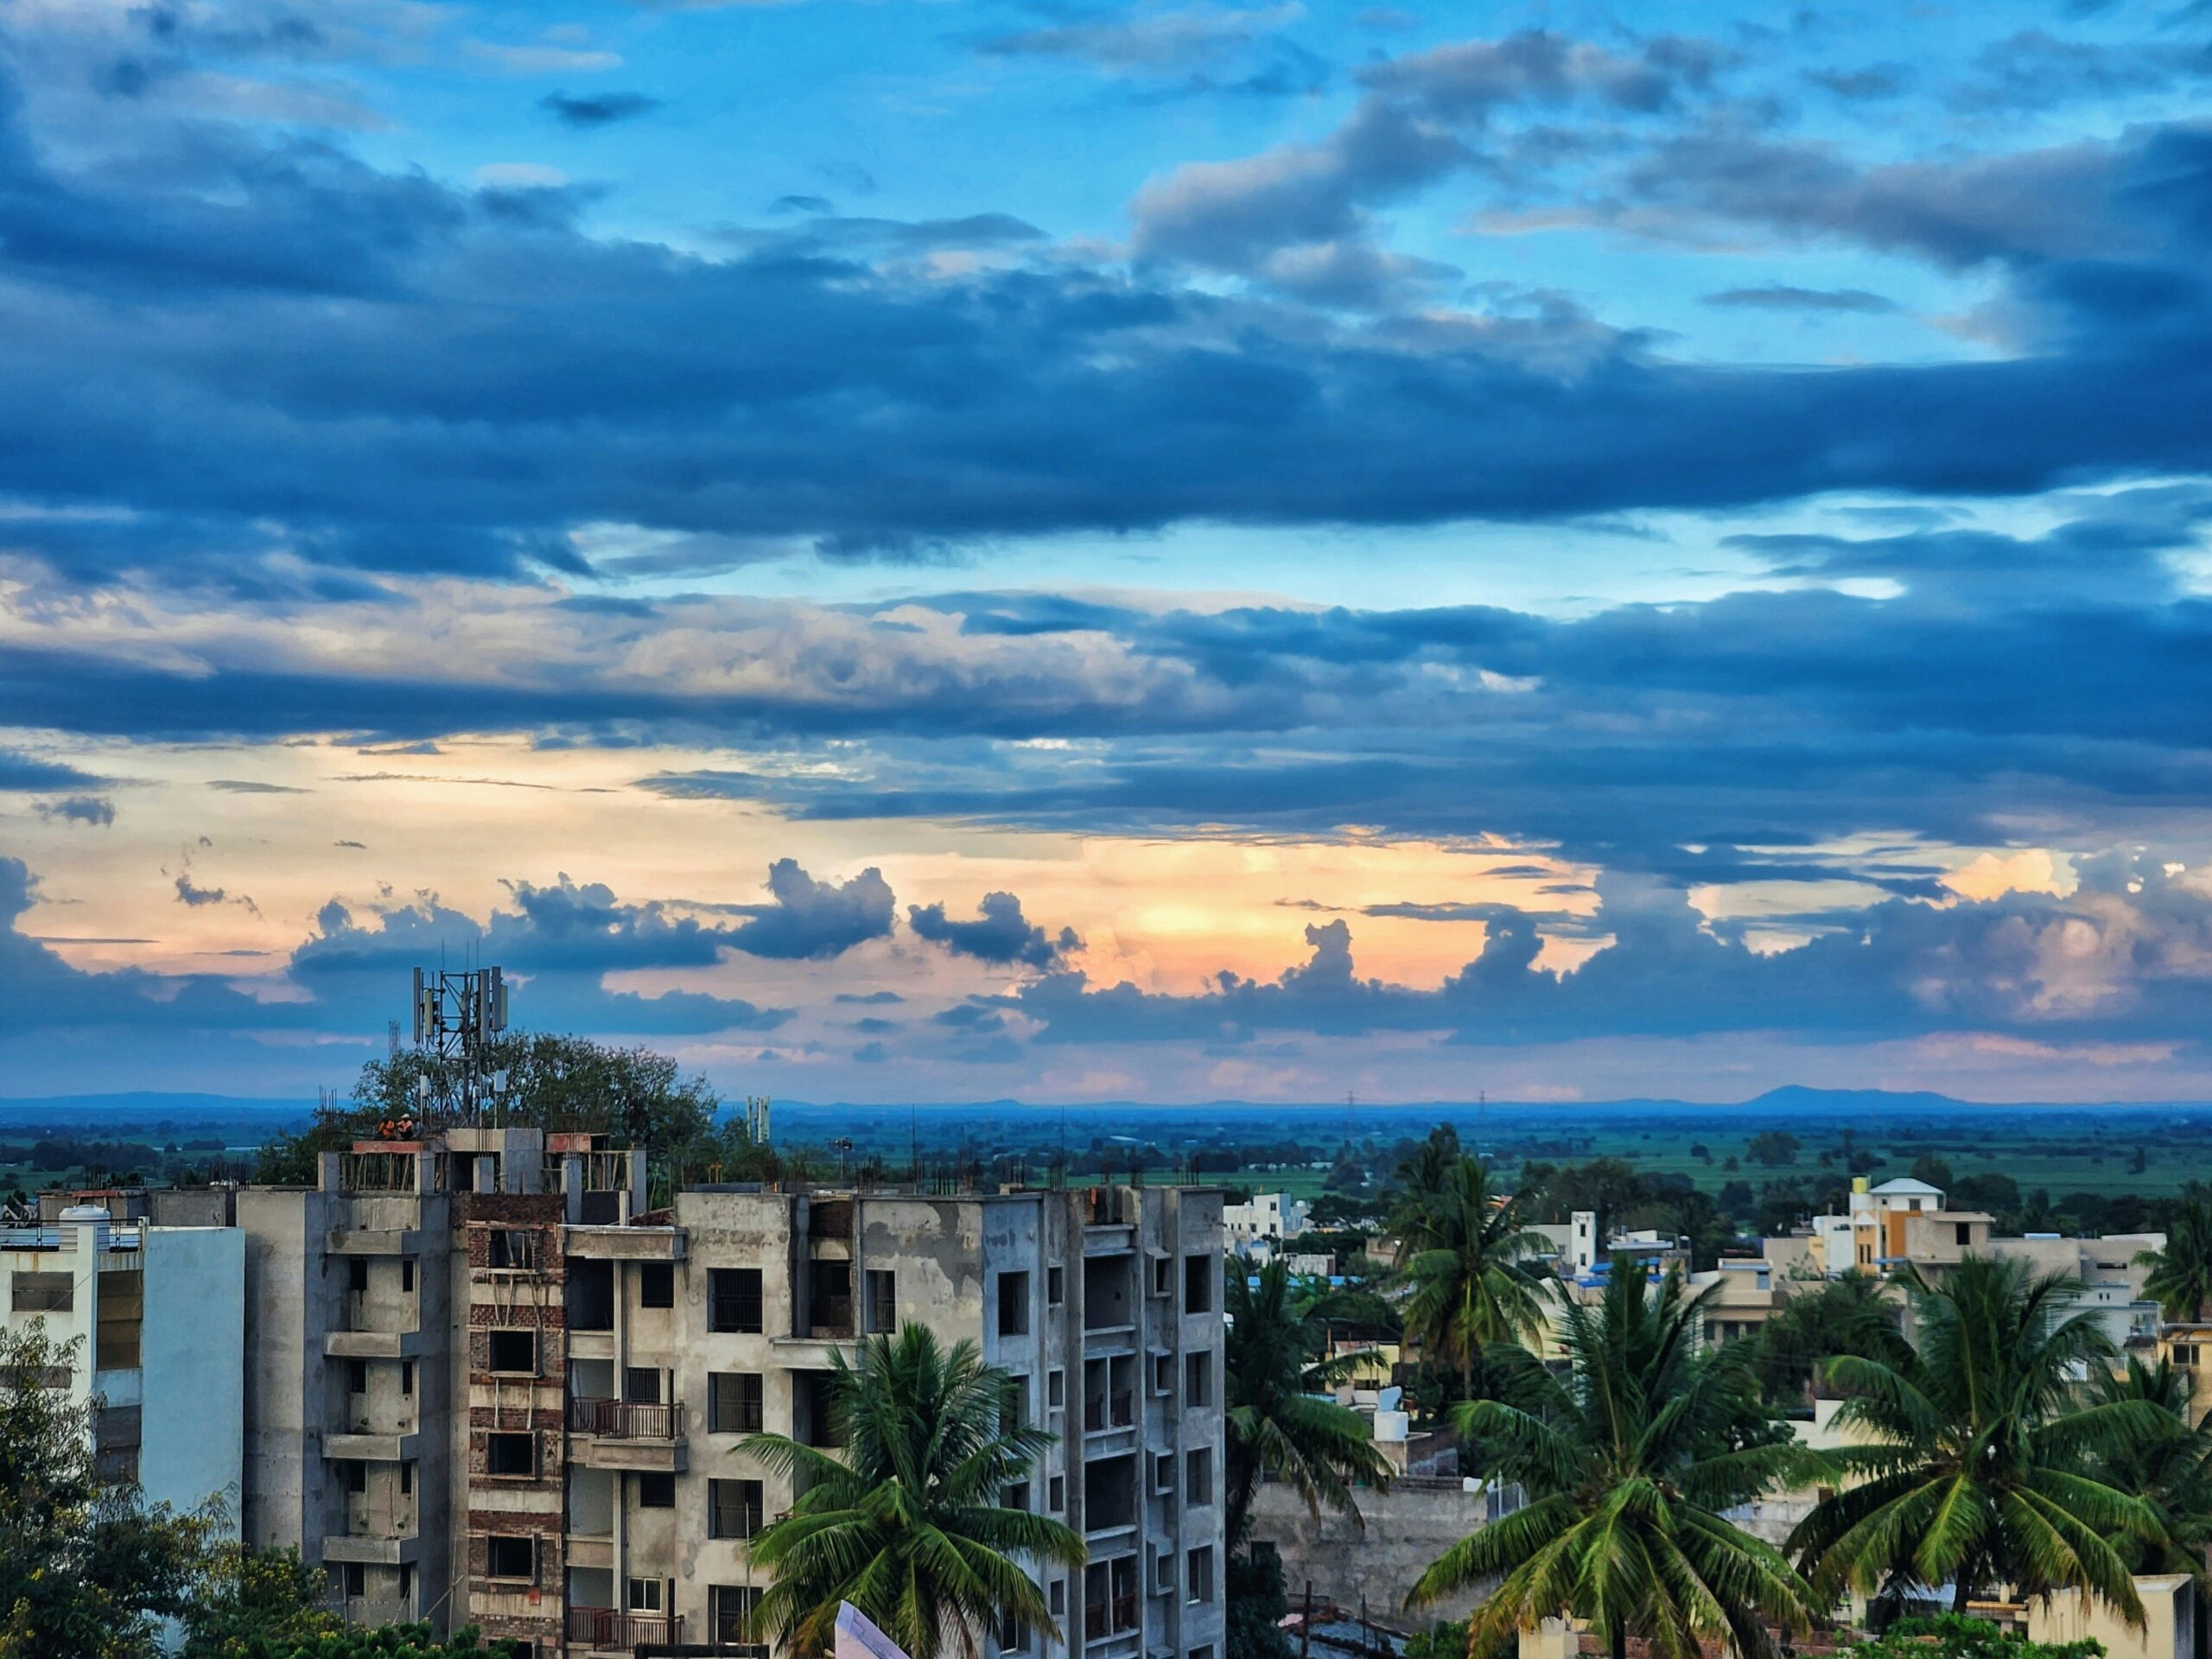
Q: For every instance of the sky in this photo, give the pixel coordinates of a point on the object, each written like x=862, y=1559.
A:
x=1177, y=552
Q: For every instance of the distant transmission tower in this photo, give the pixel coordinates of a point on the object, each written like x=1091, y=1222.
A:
x=456, y=1017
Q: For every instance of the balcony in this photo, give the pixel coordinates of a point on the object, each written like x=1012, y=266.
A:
x=373, y=1240
x=1101, y=1619
x=590, y=1549
x=626, y=1243
x=609, y=1629
x=1104, y=1413
x=372, y=1345
x=362, y=1446
x=373, y=1550
x=619, y=1434
x=830, y=1319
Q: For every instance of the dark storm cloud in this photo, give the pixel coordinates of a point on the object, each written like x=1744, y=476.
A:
x=414, y=428
x=2079, y=968
x=817, y=919
x=1001, y=934
x=590, y=109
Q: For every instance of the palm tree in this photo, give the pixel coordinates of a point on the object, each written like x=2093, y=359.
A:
x=1276, y=1423
x=909, y=1525
x=1462, y=1249
x=2172, y=1472
x=1978, y=1449
x=1851, y=1315
x=1629, y=1459
x=2180, y=1279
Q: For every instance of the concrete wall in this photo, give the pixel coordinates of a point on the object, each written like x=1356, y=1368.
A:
x=193, y=1354
x=1406, y=1529
x=2170, y=1621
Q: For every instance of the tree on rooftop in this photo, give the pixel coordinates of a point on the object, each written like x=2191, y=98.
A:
x=1630, y=1461
x=1980, y=1466
x=1813, y=1323
x=910, y=1524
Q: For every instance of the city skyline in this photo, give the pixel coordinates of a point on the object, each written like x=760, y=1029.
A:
x=1171, y=552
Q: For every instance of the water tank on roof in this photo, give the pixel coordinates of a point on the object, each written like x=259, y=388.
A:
x=91, y=1215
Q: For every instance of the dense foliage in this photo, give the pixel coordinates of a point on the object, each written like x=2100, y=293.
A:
x=910, y=1524
x=1983, y=1462
x=1629, y=1460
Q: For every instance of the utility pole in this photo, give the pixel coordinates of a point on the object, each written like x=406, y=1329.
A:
x=1305, y=1624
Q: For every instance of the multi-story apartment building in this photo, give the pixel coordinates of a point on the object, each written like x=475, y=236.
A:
x=488, y=1387
x=152, y=1321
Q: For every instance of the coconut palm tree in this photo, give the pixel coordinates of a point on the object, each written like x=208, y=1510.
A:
x=2180, y=1279
x=1629, y=1459
x=909, y=1525
x=1980, y=1462
x=1277, y=1423
x=1854, y=1314
x=2171, y=1472
x=1467, y=1258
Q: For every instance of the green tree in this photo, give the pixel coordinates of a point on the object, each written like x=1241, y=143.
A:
x=1972, y=1468
x=1773, y=1147
x=1258, y=1600
x=2180, y=1279
x=637, y=1096
x=396, y=1640
x=256, y=1604
x=87, y=1568
x=1629, y=1460
x=910, y=1525
x=1275, y=1424
x=2170, y=1471
x=1468, y=1262
x=1933, y=1170
x=1815, y=1324
x=1952, y=1635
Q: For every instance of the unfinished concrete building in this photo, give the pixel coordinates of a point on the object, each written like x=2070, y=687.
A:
x=485, y=1386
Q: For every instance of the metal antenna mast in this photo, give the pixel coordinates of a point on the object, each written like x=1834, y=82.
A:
x=456, y=1017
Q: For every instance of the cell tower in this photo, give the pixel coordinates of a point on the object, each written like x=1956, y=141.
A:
x=456, y=1017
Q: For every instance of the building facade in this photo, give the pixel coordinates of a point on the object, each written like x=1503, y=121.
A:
x=488, y=1387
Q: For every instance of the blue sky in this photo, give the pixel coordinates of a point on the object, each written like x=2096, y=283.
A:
x=1174, y=551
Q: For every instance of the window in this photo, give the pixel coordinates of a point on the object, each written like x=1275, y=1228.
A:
x=1059, y=1603
x=1204, y=1651
x=733, y=1402
x=510, y=1454
x=645, y=1595
x=1056, y=1286
x=1013, y=1304
x=357, y=1377
x=512, y=1353
x=1163, y=1275
x=1964, y=1232
x=1012, y=1635
x=1013, y=1404
x=729, y=1609
x=1199, y=1576
x=1015, y=1497
x=406, y=1479
x=510, y=1558
x=732, y=1508
x=1056, y=1387
x=1163, y=1472
x=1198, y=1476
x=407, y=1378
x=356, y=1579
x=1197, y=1381
x=734, y=1299
x=1198, y=1283
x=641, y=1385
x=1163, y=1374
x=1163, y=1568
x=511, y=1247
x=656, y=1285
x=1056, y=1492
x=357, y=1475
x=882, y=1299
x=356, y=1276
x=656, y=1490
x=45, y=1292
x=407, y=1277
x=2185, y=1353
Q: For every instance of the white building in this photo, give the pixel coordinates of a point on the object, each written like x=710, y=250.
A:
x=1258, y=1228
x=156, y=1320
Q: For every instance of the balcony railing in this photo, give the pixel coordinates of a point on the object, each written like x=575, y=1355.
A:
x=619, y=1420
x=609, y=1627
x=831, y=1316
x=1104, y=1411
x=1103, y=1618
